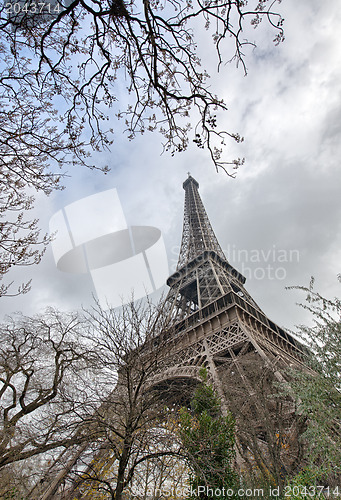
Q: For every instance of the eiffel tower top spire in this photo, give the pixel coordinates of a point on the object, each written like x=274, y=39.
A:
x=197, y=235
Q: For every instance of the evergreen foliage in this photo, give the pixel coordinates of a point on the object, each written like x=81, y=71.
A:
x=318, y=393
x=208, y=441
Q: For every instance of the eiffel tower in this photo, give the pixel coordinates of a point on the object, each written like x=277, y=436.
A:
x=215, y=323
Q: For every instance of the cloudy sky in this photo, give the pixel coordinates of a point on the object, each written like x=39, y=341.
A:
x=279, y=220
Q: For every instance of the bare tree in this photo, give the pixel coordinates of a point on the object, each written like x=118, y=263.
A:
x=153, y=45
x=131, y=417
x=268, y=425
x=166, y=475
x=33, y=149
x=43, y=397
x=74, y=392
x=21, y=168
x=69, y=56
x=18, y=478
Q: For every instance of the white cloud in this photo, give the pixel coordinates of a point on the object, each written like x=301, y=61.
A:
x=286, y=195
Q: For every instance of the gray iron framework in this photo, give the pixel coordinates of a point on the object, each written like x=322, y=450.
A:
x=197, y=234
x=215, y=323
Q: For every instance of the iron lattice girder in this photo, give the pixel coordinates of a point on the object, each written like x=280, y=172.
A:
x=226, y=324
x=221, y=312
x=197, y=235
x=201, y=281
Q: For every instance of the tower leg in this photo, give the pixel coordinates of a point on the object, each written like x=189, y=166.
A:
x=53, y=486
